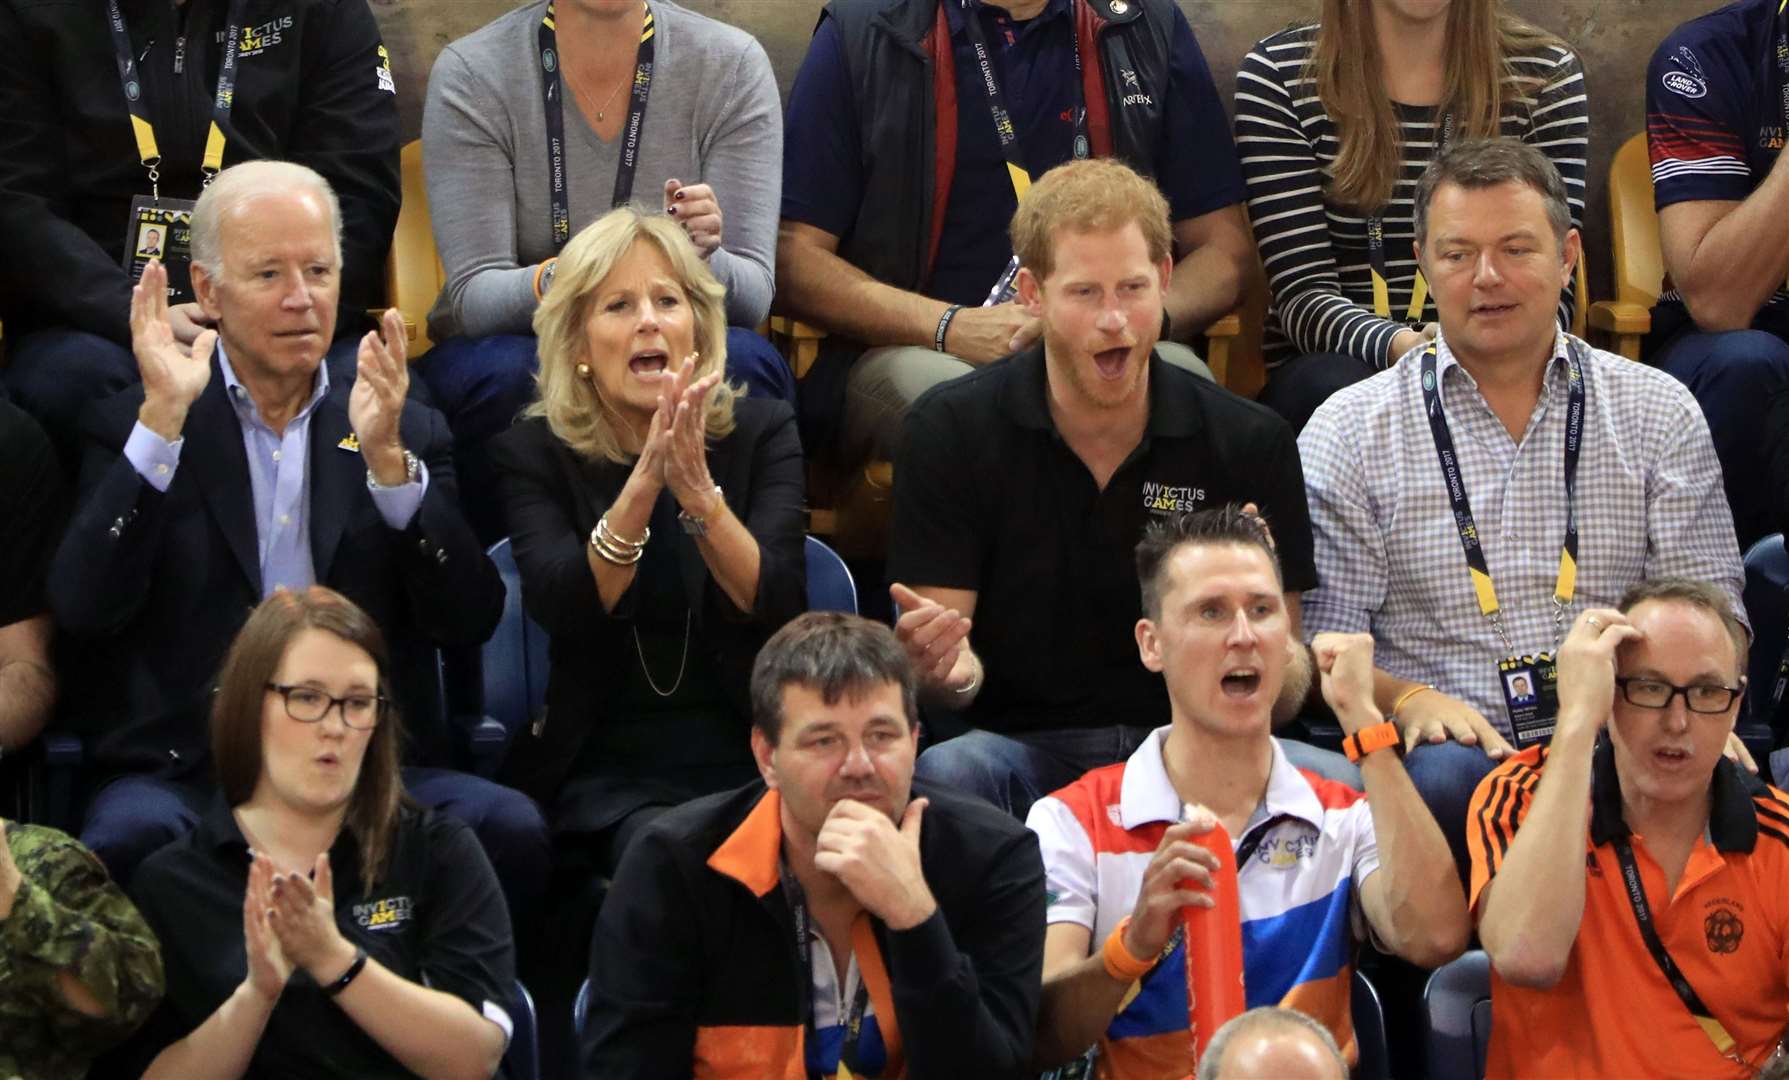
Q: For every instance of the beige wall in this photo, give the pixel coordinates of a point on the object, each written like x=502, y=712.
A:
x=1615, y=38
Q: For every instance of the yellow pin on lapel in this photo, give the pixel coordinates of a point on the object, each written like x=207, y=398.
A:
x=350, y=443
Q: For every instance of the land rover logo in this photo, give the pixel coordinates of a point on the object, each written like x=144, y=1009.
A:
x=1684, y=85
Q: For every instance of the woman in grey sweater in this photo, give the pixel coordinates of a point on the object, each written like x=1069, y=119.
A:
x=697, y=102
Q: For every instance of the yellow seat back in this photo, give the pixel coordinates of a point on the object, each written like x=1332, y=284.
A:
x=1639, y=264
x=413, y=272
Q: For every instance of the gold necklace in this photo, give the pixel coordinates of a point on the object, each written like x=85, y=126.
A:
x=641, y=653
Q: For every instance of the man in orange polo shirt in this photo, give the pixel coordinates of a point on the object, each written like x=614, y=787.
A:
x=1673, y=918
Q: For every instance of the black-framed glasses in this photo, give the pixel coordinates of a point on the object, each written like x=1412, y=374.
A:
x=1657, y=694
x=308, y=705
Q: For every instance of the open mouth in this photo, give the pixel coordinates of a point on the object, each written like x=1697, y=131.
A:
x=651, y=362
x=1671, y=757
x=328, y=760
x=1111, y=362
x=1241, y=683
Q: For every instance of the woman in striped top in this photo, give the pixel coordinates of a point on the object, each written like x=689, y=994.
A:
x=1335, y=121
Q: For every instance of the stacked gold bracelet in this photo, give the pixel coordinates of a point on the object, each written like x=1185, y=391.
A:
x=613, y=549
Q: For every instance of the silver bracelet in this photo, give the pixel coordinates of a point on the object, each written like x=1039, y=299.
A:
x=974, y=683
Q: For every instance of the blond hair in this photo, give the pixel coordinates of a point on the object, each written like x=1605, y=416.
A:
x=1091, y=195
x=1345, y=64
x=574, y=407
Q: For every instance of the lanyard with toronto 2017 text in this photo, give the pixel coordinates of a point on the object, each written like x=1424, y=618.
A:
x=553, y=98
x=143, y=127
x=1470, y=540
x=1419, y=288
x=1636, y=898
x=1016, y=169
x=860, y=1002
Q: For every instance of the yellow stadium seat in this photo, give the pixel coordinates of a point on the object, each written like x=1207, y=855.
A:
x=1639, y=265
x=413, y=271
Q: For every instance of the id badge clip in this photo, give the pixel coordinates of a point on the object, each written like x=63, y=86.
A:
x=161, y=229
x=1530, y=696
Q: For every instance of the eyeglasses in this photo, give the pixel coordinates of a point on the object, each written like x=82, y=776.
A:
x=1657, y=694
x=308, y=705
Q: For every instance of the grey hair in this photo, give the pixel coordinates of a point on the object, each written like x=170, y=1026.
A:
x=1483, y=163
x=242, y=181
x=1265, y=1018
x=1696, y=594
x=835, y=654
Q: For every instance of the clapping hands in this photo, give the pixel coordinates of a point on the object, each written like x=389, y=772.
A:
x=173, y=375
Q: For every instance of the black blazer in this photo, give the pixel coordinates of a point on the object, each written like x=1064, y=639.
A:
x=553, y=498
x=157, y=584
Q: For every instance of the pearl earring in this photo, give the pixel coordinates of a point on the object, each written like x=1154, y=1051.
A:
x=583, y=371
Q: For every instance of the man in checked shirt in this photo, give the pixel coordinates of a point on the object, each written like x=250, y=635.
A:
x=1470, y=501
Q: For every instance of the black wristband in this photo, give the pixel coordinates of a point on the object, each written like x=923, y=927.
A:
x=944, y=325
x=348, y=976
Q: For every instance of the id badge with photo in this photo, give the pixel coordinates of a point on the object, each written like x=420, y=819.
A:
x=1006, y=285
x=1530, y=696
x=161, y=230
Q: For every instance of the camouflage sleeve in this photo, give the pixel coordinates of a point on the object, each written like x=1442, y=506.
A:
x=69, y=916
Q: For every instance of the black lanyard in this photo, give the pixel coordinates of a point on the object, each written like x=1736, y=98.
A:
x=860, y=1002
x=1016, y=169
x=1470, y=541
x=143, y=126
x=1636, y=898
x=1419, y=290
x=553, y=100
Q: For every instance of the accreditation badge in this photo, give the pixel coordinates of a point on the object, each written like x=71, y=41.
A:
x=1530, y=696
x=161, y=229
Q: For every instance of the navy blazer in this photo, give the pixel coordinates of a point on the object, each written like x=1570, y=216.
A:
x=156, y=585
x=553, y=497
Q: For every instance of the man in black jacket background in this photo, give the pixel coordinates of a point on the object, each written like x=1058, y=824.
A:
x=311, y=83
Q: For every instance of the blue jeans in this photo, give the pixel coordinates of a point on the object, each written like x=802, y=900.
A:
x=133, y=816
x=1735, y=375
x=1299, y=385
x=481, y=384
x=55, y=374
x=1445, y=775
x=1014, y=771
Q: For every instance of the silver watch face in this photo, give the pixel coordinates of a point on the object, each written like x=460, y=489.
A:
x=692, y=526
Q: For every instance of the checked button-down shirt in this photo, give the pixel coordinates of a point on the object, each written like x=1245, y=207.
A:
x=1389, y=562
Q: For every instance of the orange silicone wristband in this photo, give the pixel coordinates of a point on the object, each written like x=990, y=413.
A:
x=1120, y=964
x=1380, y=736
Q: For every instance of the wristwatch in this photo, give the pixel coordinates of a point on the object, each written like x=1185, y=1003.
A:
x=412, y=473
x=698, y=526
x=1380, y=736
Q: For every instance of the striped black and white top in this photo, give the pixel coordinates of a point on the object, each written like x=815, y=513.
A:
x=1314, y=251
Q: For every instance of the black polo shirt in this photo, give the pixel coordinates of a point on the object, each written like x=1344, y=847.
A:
x=989, y=497
x=437, y=918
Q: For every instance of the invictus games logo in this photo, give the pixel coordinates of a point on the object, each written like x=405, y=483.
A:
x=383, y=914
x=1724, y=930
x=1170, y=499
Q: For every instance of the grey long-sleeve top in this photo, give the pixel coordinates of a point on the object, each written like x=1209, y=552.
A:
x=713, y=117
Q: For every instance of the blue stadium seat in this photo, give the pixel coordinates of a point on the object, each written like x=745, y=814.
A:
x=1762, y=718
x=1368, y=1017
x=830, y=587
x=580, y=1010
x=515, y=663
x=1458, y=1003
x=522, y=1060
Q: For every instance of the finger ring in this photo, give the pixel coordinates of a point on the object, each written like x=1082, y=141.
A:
x=1594, y=621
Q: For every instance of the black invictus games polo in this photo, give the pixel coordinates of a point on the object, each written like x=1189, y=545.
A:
x=989, y=497
x=437, y=918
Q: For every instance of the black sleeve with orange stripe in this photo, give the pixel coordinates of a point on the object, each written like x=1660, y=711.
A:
x=1496, y=812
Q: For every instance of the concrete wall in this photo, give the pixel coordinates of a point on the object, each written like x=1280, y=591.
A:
x=1615, y=38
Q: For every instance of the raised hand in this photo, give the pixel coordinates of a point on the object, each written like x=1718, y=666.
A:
x=303, y=918
x=685, y=441
x=1587, y=670
x=935, y=639
x=268, y=968
x=376, y=403
x=698, y=211
x=982, y=334
x=173, y=375
x=877, y=861
x=1345, y=664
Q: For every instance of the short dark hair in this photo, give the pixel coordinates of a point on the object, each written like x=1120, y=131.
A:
x=1483, y=163
x=835, y=654
x=1698, y=594
x=1225, y=524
